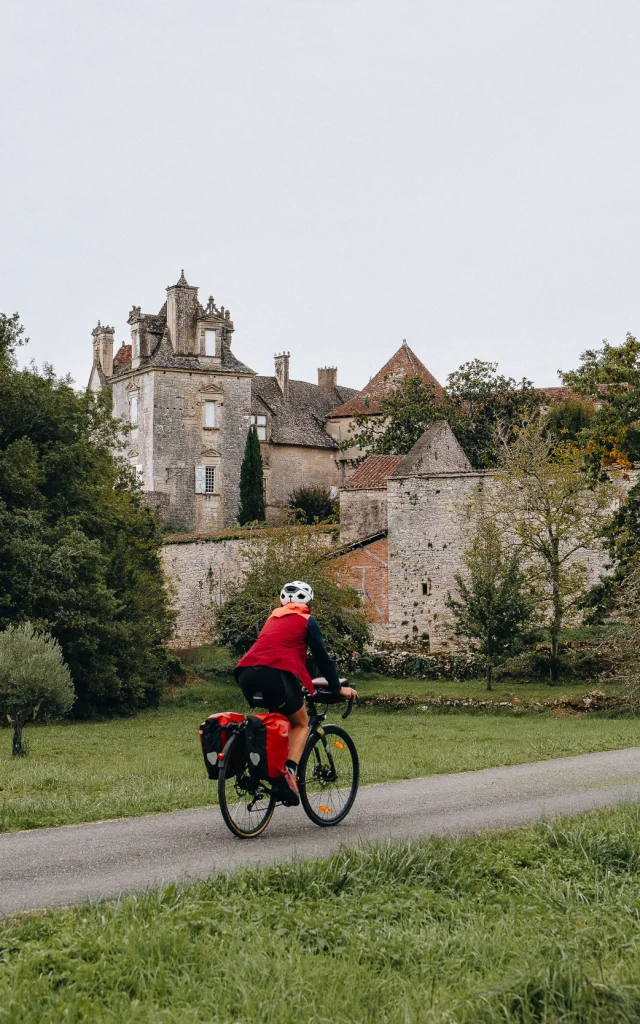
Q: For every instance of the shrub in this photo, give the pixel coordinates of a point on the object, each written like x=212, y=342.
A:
x=34, y=680
x=311, y=505
x=272, y=562
x=251, y=482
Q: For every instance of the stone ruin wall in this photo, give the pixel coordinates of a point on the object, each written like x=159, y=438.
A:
x=363, y=513
x=427, y=537
x=198, y=572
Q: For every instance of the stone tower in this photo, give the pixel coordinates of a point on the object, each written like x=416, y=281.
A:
x=187, y=400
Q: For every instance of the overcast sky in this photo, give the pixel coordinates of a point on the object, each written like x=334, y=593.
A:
x=342, y=174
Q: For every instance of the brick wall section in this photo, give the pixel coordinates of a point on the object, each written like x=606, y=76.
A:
x=365, y=569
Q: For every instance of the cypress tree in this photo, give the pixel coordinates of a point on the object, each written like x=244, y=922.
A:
x=251, y=481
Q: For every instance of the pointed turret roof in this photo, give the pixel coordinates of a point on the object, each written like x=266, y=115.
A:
x=437, y=451
x=404, y=363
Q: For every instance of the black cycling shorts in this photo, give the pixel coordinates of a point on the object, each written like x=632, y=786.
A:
x=271, y=689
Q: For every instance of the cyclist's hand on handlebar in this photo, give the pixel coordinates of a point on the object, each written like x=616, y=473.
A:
x=348, y=692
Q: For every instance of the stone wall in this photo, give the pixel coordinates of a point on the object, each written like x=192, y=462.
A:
x=288, y=467
x=427, y=534
x=199, y=570
x=363, y=513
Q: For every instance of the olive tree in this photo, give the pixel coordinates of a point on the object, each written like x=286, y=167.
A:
x=34, y=680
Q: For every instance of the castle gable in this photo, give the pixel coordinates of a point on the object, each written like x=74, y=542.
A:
x=403, y=363
x=437, y=451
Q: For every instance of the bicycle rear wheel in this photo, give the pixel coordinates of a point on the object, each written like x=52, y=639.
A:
x=247, y=804
x=328, y=775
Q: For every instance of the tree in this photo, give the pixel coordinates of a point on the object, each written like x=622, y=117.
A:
x=403, y=415
x=11, y=338
x=312, y=505
x=569, y=419
x=621, y=538
x=544, y=500
x=34, y=680
x=477, y=399
x=495, y=606
x=79, y=553
x=610, y=377
x=274, y=561
x=251, y=481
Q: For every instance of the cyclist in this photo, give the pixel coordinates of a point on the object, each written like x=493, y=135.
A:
x=273, y=673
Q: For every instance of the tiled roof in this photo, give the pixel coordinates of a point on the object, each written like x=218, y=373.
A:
x=163, y=356
x=122, y=357
x=374, y=472
x=552, y=395
x=299, y=419
x=404, y=363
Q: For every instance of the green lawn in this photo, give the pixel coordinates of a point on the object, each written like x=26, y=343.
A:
x=90, y=771
x=538, y=925
x=502, y=690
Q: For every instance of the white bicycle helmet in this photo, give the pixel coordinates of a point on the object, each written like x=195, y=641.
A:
x=296, y=593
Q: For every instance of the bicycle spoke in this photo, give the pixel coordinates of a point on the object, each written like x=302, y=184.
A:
x=330, y=776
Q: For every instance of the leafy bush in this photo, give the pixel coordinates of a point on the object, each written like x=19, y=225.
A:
x=311, y=505
x=271, y=562
x=34, y=680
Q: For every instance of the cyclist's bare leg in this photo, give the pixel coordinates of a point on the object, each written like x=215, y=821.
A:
x=298, y=735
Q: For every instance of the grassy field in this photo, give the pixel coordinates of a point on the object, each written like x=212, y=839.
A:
x=538, y=925
x=473, y=688
x=90, y=771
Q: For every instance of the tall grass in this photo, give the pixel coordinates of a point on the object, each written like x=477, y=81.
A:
x=539, y=925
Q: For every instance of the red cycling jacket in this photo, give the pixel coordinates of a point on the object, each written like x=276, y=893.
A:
x=282, y=643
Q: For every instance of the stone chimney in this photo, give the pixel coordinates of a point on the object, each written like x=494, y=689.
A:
x=282, y=372
x=182, y=314
x=103, y=348
x=327, y=376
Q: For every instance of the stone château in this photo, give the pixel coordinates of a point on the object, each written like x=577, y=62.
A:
x=190, y=400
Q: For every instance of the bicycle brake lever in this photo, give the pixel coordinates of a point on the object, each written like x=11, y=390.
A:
x=350, y=704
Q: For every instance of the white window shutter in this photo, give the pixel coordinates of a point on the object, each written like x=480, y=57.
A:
x=200, y=480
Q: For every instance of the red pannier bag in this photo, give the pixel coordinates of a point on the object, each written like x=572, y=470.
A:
x=214, y=734
x=267, y=744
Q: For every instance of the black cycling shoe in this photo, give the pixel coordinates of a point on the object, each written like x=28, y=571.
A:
x=289, y=792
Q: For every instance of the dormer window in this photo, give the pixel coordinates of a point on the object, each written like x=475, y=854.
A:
x=133, y=410
x=210, y=343
x=209, y=415
x=260, y=423
x=134, y=344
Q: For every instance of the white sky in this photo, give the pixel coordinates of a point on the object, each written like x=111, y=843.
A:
x=342, y=174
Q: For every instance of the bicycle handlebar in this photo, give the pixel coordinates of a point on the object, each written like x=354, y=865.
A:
x=350, y=704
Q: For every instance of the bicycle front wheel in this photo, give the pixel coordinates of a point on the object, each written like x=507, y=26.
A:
x=328, y=775
x=247, y=804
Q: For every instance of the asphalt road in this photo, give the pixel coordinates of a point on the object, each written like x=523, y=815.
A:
x=100, y=861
